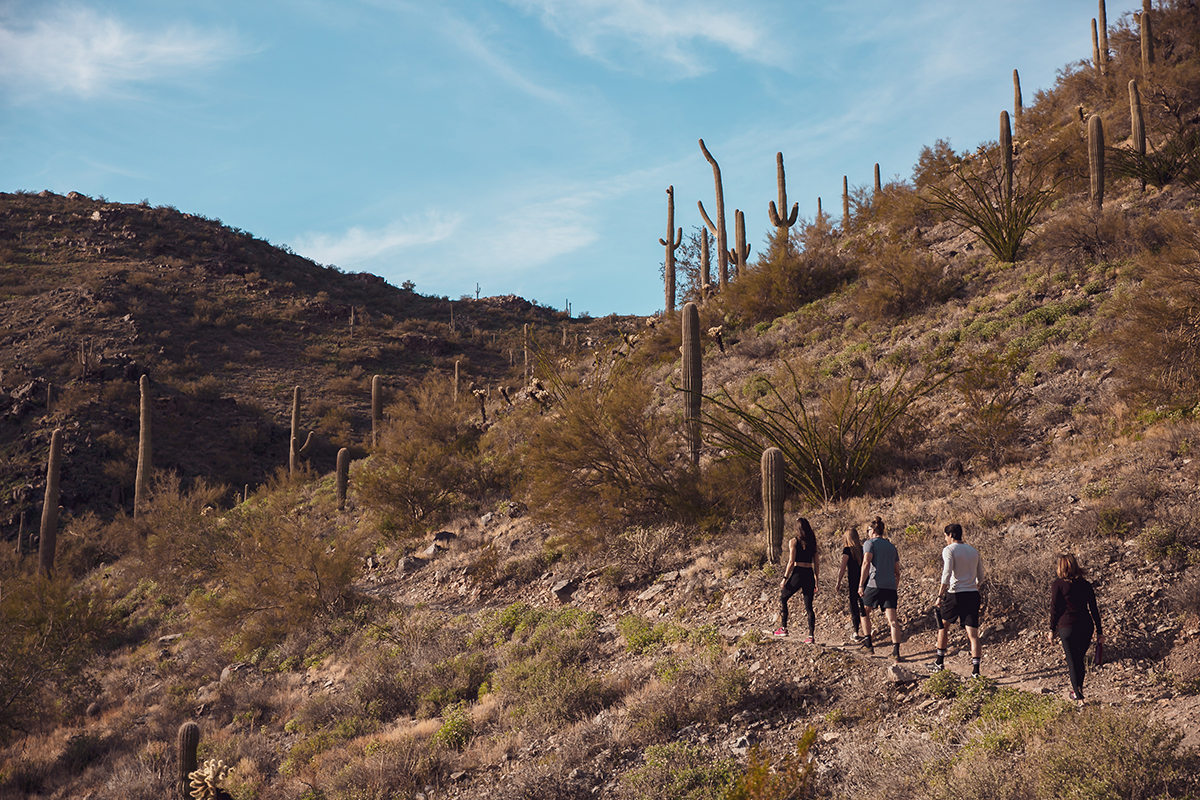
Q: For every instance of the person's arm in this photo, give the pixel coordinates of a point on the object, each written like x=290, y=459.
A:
x=1094, y=610
x=945, y=585
x=842, y=571
x=1055, y=610
x=979, y=577
x=865, y=572
x=816, y=562
x=791, y=563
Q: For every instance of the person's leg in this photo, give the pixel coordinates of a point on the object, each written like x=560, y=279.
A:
x=855, y=605
x=812, y=616
x=866, y=619
x=785, y=594
x=1080, y=639
x=976, y=648
x=893, y=618
x=1073, y=670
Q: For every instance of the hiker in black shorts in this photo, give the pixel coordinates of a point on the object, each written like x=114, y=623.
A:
x=801, y=575
x=958, y=597
x=879, y=584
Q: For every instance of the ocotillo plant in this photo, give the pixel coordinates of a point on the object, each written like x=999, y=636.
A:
x=1103, y=39
x=693, y=379
x=773, y=484
x=1018, y=106
x=141, y=481
x=741, y=250
x=1006, y=154
x=295, y=449
x=1147, y=36
x=672, y=242
x=377, y=406
x=718, y=230
x=187, y=741
x=780, y=217
x=49, y=534
x=1096, y=160
x=343, y=477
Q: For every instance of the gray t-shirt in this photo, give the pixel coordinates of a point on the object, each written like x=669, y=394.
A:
x=883, y=562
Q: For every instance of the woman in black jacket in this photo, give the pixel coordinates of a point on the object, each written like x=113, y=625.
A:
x=1074, y=616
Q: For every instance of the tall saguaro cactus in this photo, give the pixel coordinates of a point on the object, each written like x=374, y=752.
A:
x=718, y=230
x=296, y=450
x=186, y=744
x=780, y=217
x=49, y=533
x=1018, y=106
x=1136, y=120
x=845, y=203
x=741, y=250
x=1096, y=160
x=1103, y=39
x=705, y=270
x=377, y=405
x=878, y=182
x=692, y=376
x=1147, y=37
x=141, y=482
x=672, y=242
x=1095, y=47
x=773, y=485
x=343, y=477
x=1006, y=154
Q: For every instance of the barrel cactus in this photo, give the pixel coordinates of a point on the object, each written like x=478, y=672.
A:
x=773, y=484
x=49, y=532
x=692, y=378
x=141, y=483
x=187, y=742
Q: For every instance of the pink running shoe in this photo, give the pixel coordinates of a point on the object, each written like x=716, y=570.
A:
x=779, y=632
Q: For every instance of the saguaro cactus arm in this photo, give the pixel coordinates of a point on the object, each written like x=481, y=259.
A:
x=718, y=230
x=787, y=221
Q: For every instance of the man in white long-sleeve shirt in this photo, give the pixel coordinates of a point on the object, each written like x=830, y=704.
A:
x=958, y=596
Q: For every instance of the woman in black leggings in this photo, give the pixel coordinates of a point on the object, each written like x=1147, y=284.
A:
x=852, y=558
x=801, y=575
x=1074, y=616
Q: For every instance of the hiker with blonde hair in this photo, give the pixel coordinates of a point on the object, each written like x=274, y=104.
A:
x=852, y=558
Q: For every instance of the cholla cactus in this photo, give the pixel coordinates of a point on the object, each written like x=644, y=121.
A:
x=206, y=781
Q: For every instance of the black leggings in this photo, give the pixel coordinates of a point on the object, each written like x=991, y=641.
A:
x=856, y=604
x=801, y=581
x=1075, y=641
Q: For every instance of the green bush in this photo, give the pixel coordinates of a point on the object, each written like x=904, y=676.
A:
x=680, y=771
x=456, y=730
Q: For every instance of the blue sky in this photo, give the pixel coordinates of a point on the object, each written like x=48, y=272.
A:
x=521, y=146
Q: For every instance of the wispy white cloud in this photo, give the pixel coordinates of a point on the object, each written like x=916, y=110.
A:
x=469, y=39
x=359, y=246
x=674, y=31
x=75, y=50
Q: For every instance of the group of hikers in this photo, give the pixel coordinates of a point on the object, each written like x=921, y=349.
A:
x=872, y=573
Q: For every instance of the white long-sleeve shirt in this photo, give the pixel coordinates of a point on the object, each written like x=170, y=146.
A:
x=962, y=569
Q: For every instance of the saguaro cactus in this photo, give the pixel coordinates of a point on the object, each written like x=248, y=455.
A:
x=773, y=485
x=705, y=271
x=1096, y=160
x=1103, y=39
x=780, y=217
x=1147, y=36
x=718, y=230
x=49, y=533
x=1018, y=106
x=187, y=743
x=672, y=242
x=1137, y=122
x=878, y=182
x=693, y=379
x=377, y=405
x=740, y=250
x=845, y=203
x=296, y=450
x=1095, y=47
x=141, y=481
x=343, y=477
x=1006, y=153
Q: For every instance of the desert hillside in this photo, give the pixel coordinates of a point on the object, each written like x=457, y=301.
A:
x=539, y=562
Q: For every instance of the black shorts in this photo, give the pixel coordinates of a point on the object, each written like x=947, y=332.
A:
x=875, y=597
x=961, y=607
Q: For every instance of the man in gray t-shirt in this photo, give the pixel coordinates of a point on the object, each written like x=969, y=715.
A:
x=879, y=584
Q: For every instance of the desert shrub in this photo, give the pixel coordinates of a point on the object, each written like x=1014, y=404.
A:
x=766, y=779
x=49, y=630
x=1184, y=596
x=456, y=730
x=943, y=684
x=680, y=771
x=179, y=536
x=284, y=565
x=991, y=401
x=643, y=548
x=1156, y=340
x=1077, y=236
x=897, y=280
x=427, y=460
x=605, y=456
x=1160, y=542
x=831, y=437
